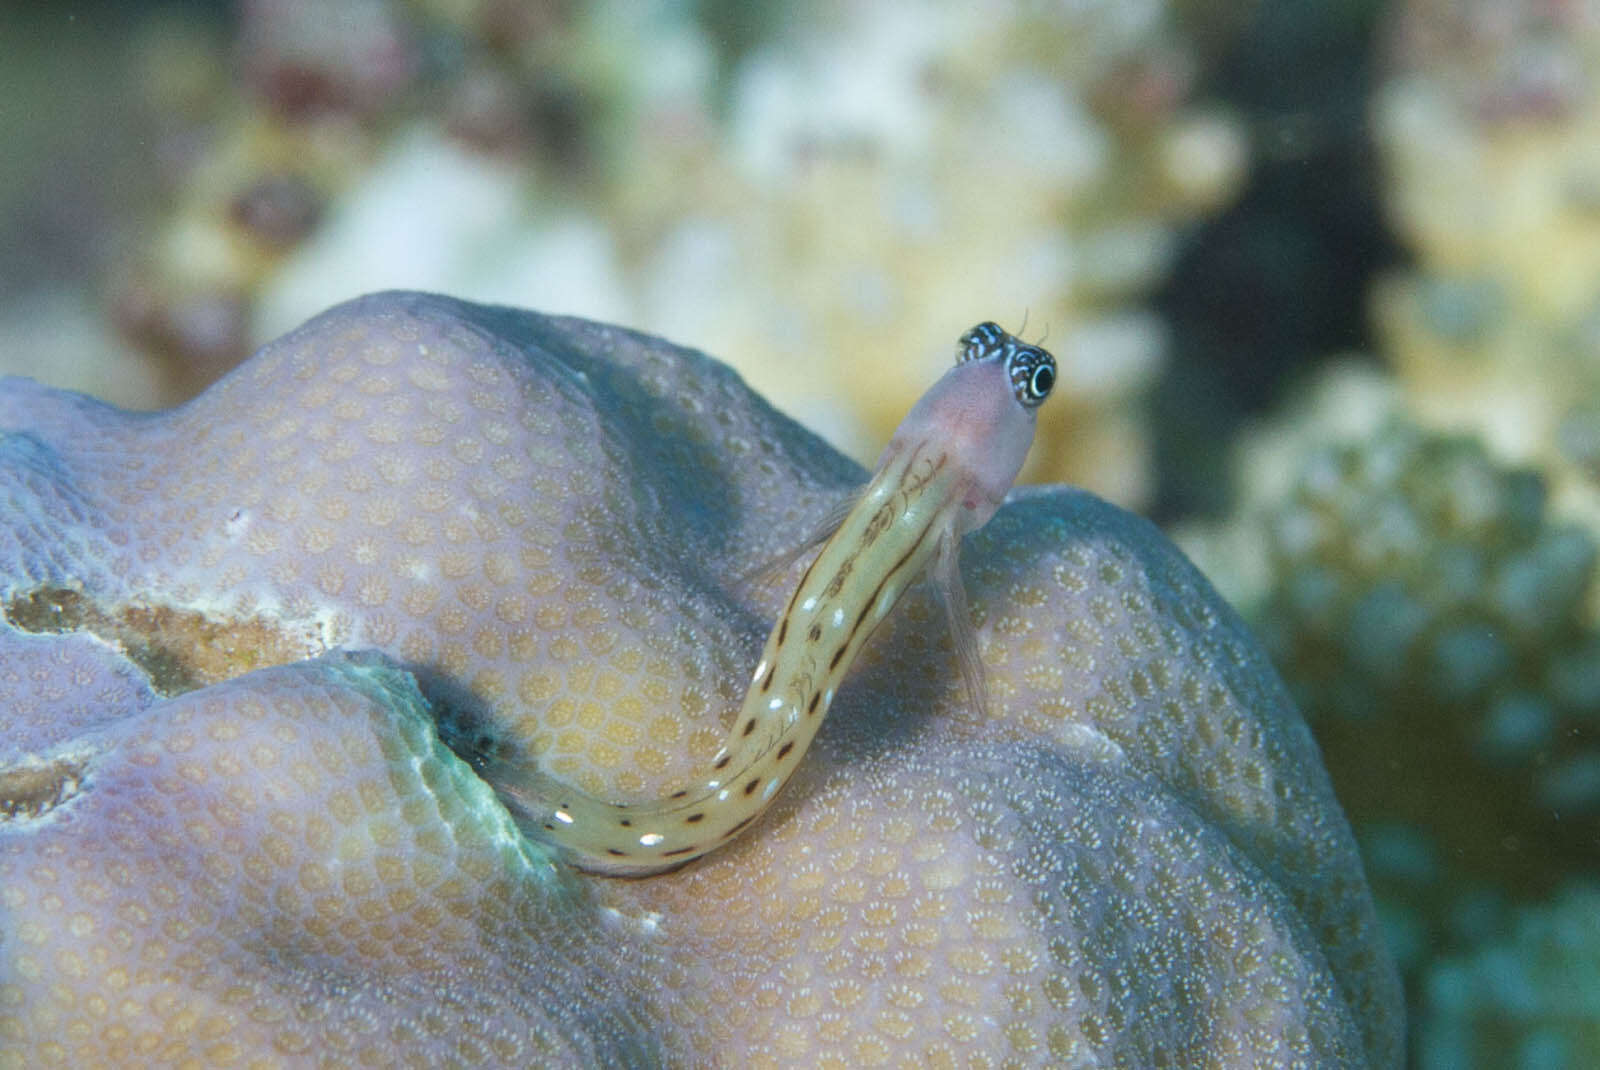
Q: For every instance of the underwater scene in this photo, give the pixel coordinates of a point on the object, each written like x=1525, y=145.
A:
x=834, y=533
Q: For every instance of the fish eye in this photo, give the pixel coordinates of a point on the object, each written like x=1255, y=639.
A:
x=981, y=342
x=1031, y=370
x=1033, y=373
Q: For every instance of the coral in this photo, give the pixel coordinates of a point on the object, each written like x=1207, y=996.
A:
x=848, y=178
x=1427, y=586
x=1412, y=571
x=1425, y=605
x=1487, y=130
x=1530, y=997
x=290, y=866
x=889, y=171
x=1433, y=610
x=285, y=617
x=1346, y=400
x=302, y=59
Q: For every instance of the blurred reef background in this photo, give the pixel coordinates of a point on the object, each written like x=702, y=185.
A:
x=1323, y=279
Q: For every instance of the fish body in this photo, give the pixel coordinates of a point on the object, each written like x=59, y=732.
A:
x=944, y=472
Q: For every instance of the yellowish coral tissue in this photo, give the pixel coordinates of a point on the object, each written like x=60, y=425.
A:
x=259, y=650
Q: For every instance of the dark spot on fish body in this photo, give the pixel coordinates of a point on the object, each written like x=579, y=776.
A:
x=722, y=762
x=815, y=698
x=678, y=851
x=751, y=787
x=836, y=584
x=815, y=633
x=625, y=823
x=783, y=631
x=876, y=526
x=616, y=853
x=838, y=655
x=694, y=818
x=783, y=751
x=749, y=726
x=681, y=793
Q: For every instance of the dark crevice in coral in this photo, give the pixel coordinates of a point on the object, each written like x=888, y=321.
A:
x=178, y=650
x=464, y=721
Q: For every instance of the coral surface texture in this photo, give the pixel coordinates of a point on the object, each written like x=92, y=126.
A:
x=254, y=644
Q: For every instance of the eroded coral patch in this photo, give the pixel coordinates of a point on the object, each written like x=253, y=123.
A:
x=179, y=650
x=32, y=788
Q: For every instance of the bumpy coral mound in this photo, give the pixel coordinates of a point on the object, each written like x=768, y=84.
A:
x=1528, y=997
x=541, y=523
x=290, y=865
x=1427, y=606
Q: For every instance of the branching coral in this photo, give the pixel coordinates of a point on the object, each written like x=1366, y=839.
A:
x=1430, y=598
x=1433, y=609
x=1426, y=607
x=845, y=177
x=257, y=845
x=1487, y=129
x=1529, y=997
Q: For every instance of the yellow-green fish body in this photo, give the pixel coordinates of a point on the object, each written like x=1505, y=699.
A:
x=945, y=472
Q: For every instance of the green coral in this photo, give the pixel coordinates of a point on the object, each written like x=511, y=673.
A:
x=1433, y=611
x=1530, y=1000
x=1430, y=614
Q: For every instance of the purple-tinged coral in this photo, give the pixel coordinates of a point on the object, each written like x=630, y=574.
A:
x=290, y=866
x=275, y=849
x=345, y=56
x=56, y=687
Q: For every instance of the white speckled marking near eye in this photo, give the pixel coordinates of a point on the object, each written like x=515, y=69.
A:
x=944, y=473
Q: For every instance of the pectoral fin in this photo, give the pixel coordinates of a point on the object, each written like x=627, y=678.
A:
x=947, y=579
x=767, y=572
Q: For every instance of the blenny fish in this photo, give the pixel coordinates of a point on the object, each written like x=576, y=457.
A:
x=944, y=473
